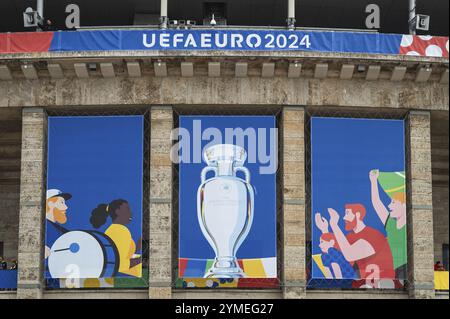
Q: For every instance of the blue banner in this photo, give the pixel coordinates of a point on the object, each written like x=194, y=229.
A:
x=222, y=40
x=94, y=197
x=358, y=209
x=227, y=197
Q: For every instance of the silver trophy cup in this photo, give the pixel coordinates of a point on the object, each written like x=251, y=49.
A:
x=225, y=207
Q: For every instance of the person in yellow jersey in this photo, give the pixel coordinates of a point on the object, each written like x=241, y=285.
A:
x=120, y=213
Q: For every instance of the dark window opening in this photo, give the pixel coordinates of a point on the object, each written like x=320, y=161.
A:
x=348, y=14
x=216, y=9
x=445, y=256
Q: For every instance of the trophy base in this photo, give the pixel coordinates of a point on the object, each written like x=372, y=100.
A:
x=226, y=267
x=225, y=273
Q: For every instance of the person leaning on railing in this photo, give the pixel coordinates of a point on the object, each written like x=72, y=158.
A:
x=46, y=25
x=3, y=264
x=14, y=265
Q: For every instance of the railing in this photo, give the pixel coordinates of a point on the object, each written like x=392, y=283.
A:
x=441, y=280
x=221, y=27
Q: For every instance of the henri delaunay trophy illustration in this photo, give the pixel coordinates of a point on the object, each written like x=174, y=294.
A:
x=225, y=207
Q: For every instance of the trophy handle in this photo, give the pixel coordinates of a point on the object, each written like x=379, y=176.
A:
x=244, y=170
x=206, y=170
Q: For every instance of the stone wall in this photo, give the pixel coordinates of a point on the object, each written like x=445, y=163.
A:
x=420, y=218
x=177, y=90
x=427, y=164
x=31, y=219
x=294, y=277
x=160, y=257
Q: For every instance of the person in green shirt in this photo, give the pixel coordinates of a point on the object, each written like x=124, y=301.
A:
x=393, y=216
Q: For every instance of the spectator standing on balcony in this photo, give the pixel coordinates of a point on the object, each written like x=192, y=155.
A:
x=14, y=265
x=3, y=264
x=438, y=266
x=46, y=25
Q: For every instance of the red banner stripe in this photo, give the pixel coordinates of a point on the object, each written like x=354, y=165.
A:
x=25, y=42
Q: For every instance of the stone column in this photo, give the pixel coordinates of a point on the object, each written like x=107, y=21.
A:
x=160, y=256
x=32, y=199
x=294, y=203
x=420, y=221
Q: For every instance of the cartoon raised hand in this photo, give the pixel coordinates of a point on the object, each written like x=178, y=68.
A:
x=321, y=223
x=373, y=175
x=334, y=217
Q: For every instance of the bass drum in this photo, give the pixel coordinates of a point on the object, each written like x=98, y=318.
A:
x=83, y=254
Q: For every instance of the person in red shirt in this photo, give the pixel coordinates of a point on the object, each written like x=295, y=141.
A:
x=438, y=266
x=364, y=245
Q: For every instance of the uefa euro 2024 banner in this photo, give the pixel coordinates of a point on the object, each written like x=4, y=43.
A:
x=227, y=198
x=94, y=197
x=358, y=203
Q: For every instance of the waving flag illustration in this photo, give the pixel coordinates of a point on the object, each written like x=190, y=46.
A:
x=392, y=182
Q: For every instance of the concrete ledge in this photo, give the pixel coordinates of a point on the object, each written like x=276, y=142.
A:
x=422, y=207
x=29, y=286
x=294, y=201
x=96, y=294
x=226, y=294
x=33, y=110
x=439, y=295
x=31, y=204
x=423, y=286
x=225, y=54
x=160, y=284
x=8, y=295
x=162, y=107
x=293, y=108
x=421, y=113
x=147, y=91
x=295, y=283
x=160, y=200
x=356, y=294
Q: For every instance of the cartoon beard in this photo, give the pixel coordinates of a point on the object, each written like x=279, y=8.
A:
x=350, y=225
x=59, y=216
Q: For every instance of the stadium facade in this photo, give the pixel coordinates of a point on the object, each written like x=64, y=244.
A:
x=56, y=80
